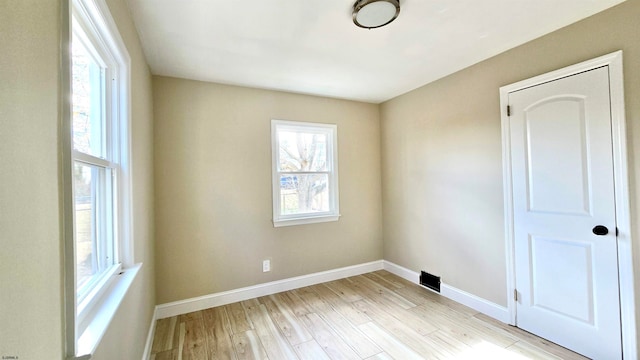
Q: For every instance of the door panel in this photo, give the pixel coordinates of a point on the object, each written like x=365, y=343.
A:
x=547, y=135
x=569, y=295
x=562, y=168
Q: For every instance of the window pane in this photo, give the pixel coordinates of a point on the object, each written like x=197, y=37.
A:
x=93, y=224
x=304, y=193
x=300, y=151
x=88, y=102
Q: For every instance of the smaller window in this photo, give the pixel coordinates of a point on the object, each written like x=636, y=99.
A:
x=305, y=172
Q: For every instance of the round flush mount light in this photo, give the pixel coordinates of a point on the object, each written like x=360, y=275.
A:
x=371, y=14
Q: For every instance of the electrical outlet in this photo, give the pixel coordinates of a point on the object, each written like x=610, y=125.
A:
x=266, y=265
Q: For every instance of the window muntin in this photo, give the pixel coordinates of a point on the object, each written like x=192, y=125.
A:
x=305, y=179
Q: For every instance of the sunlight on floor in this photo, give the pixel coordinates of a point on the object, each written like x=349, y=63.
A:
x=485, y=350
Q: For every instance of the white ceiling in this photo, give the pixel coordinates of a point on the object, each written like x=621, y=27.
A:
x=313, y=47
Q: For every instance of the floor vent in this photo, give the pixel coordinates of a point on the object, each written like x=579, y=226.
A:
x=430, y=281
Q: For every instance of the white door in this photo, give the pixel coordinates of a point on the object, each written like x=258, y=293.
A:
x=563, y=194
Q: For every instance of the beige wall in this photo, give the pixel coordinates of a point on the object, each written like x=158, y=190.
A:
x=441, y=151
x=127, y=333
x=31, y=309
x=213, y=188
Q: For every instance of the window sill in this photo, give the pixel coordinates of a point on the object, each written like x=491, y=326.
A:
x=305, y=220
x=90, y=338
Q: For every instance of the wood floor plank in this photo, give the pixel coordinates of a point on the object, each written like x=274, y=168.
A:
x=326, y=337
x=462, y=330
x=275, y=345
x=414, y=294
x=290, y=327
x=165, y=336
x=196, y=315
x=310, y=350
x=346, y=309
x=391, y=346
x=218, y=333
x=401, y=331
x=294, y=302
x=248, y=346
x=238, y=321
x=394, y=278
x=383, y=311
x=181, y=335
x=312, y=299
x=487, y=350
x=361, y=344
x=525, y=336
x=195, y=344
x=529, y=351
x=448, y=343
x=344, y=288
x=448, y=304
x=381, y=290
x=378, y=295
x=380, y=356
x=419, y=295
x=390, y=285
x=165, y=355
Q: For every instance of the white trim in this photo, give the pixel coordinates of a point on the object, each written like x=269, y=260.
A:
x=86, y=308
x=477, y=303
x=150, y=334
x=621, y=178
x=306, y=220
x=403, y=272
x=105, y=311
x=246, y=293
x=68, y=202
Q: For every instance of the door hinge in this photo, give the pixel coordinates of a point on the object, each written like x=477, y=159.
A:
x=515, y=294
x=508, y=110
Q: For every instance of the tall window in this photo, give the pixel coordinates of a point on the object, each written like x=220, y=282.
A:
x=305, y=172
x=99, y=156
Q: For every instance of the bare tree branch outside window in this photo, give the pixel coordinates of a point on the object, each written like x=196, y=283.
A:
x=303, y=156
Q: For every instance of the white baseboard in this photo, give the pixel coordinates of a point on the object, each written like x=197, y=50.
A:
x=152, y=331
x=403, y=272
x=477, y=303
x=232, y=296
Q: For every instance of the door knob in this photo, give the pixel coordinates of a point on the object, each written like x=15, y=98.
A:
x=600, y=230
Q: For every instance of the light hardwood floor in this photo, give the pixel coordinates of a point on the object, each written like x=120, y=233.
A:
x=371, y=316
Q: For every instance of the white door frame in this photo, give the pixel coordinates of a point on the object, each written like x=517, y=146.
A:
x=621, y=181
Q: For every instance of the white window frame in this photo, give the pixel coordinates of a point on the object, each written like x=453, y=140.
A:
x=88, y=317
x=109, y=230
x=331, y=130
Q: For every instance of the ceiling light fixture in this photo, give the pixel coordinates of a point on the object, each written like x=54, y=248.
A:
x=371, y=14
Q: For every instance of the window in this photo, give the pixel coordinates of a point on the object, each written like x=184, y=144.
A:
x=95, y=168
x=102, y=267
x=305, y=172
